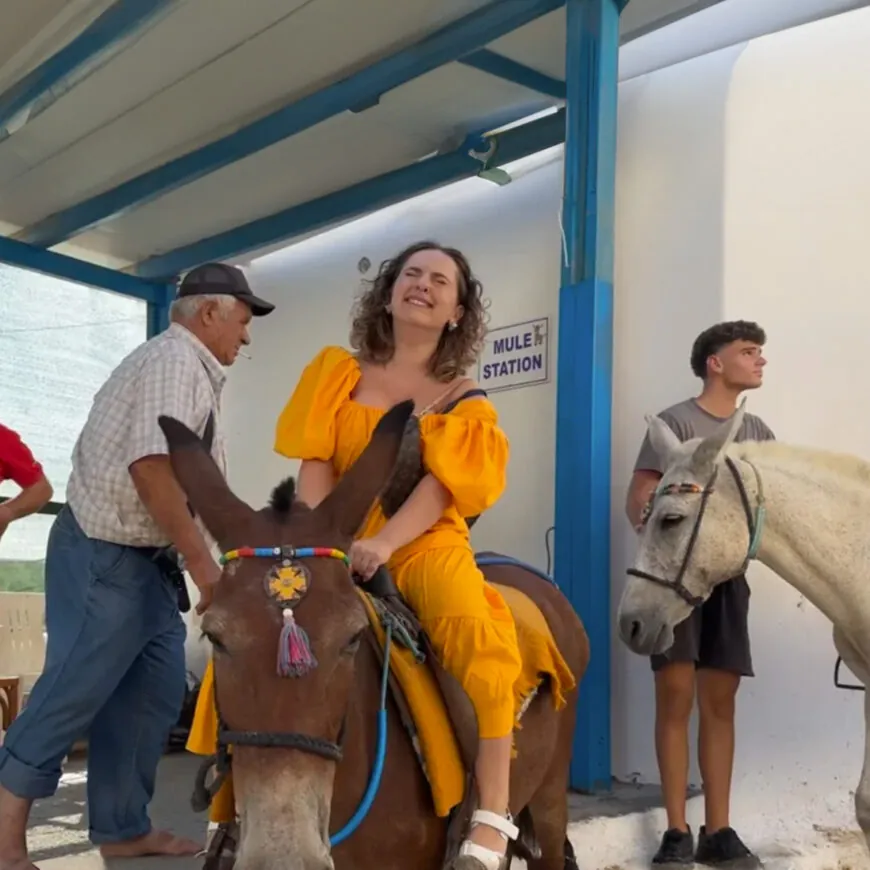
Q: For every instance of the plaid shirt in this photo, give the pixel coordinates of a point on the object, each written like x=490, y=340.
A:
x=173, y=374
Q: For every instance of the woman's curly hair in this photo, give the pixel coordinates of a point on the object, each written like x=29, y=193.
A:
x=372, y=330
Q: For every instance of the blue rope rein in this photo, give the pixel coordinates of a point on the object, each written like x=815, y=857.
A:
x=381, y=750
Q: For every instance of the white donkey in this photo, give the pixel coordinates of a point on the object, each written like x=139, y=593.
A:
x=804, y=513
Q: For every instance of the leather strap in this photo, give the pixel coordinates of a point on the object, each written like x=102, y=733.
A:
x=489, y=858
x=469, y=394
x=499, y=823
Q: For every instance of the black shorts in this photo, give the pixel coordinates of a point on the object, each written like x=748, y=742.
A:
x=716, y=635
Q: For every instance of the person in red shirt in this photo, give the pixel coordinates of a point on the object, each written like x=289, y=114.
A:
x=18, y=465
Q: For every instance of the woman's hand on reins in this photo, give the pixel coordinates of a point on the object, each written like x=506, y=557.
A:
x=368, y=554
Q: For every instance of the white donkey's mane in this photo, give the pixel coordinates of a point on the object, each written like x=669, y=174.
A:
x=843, y=465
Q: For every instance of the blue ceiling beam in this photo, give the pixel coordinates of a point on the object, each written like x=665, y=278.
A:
x=66, y=268
x=104, y=36
x=502, y=67
x=359, y=199
x=444, y=46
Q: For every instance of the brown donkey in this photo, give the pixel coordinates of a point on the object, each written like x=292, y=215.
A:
x=288, y=734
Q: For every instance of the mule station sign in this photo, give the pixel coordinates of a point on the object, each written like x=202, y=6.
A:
x=515, y=356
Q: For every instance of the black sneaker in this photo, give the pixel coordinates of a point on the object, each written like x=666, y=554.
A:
x=725, y=849
x=678, y=847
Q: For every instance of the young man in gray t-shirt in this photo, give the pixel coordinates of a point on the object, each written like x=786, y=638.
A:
x=711, y=648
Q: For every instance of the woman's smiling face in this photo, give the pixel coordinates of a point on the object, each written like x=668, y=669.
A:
x=426, y=293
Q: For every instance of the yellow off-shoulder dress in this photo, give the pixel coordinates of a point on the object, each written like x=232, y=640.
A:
x=467, y=621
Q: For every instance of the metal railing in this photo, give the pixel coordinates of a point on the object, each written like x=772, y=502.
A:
x=51, y=509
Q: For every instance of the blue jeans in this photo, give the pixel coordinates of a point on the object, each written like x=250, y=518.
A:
x=114, y=672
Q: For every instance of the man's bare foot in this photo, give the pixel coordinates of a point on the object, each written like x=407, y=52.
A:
x=153, y=843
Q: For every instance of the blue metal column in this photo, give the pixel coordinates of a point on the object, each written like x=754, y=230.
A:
x=583, y=396
x=158, y=312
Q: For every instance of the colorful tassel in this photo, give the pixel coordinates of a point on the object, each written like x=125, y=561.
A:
x=294, y=652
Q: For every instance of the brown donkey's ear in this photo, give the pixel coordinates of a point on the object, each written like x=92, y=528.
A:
x=222, y=512
x=345, y=508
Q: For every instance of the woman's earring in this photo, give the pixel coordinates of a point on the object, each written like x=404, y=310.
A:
x=388, y=308
x=451, y=326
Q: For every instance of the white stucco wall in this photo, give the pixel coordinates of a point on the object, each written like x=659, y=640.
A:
x=743, y=183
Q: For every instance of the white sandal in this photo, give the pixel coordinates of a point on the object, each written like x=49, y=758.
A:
x=490, y=859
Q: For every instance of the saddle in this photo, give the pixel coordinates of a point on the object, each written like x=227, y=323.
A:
x=388, y=604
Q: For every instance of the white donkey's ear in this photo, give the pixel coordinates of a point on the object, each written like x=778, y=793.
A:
x=711, y=451
x=662, y=438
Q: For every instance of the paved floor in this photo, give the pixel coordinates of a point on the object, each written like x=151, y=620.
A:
x=59, y=841
x=58, y=833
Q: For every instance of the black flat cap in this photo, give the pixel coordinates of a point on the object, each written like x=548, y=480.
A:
x=223, y=280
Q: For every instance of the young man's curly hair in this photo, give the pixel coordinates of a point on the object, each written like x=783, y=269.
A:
x=372, y=330
x=712, y=340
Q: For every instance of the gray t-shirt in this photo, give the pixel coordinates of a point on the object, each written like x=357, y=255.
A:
x=689, y=420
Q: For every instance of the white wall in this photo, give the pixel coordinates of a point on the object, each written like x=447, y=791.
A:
x=797, y=223
x=742, y=192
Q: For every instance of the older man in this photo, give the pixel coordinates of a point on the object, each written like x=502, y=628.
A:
x=18, y=465
x=114, y=665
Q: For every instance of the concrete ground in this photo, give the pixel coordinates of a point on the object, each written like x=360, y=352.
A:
x=58, y=834
x=618, y=831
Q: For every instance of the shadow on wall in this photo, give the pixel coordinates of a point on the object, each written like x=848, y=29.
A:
x=669, y=286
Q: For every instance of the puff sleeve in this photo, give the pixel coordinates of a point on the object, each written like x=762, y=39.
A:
x=468, y=453
x=306, y=426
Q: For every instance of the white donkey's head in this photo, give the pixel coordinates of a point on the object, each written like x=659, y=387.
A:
x=698, y=532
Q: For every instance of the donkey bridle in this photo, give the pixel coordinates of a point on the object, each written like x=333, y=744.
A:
x=226, y=737
x=203, y=793
x=332, y=751
x=754, y=521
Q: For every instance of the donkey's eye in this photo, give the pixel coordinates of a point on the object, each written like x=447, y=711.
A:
x=353, y=645
x=214, y=641
x=669, y=521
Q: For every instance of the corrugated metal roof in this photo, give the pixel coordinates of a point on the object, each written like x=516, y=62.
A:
x=166, y=79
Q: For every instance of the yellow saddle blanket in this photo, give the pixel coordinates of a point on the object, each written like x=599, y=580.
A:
x=438, y=745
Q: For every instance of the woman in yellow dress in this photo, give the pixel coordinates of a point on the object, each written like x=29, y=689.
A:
x=417, y=330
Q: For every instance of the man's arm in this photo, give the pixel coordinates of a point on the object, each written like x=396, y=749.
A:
x=168, y=386
x=164, y=499
x=21, y=467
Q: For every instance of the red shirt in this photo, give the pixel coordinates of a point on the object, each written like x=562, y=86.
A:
x=16, y=460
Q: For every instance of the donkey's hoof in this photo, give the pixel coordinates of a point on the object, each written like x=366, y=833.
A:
x=221, y=851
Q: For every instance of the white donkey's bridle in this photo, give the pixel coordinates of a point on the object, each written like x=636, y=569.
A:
x=754, y=519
